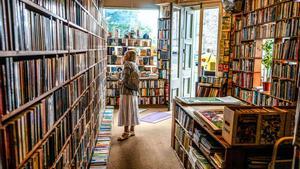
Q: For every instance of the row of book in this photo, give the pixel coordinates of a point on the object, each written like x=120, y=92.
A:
x=280, y=11
x=283, y=9
x=247, y=65
x=61, y=9
x=152, y=61
x=215, y=81
x=182, y=155
x=163, y=34
x=163, y=44
x=265, y=31
x=287, y=71
x=246, y=50
x=164, y=55
x=27, y=130
x=287, y=28
x=244, y=80
x=184, y=119
x=182, y=137
x=163, y=74
x=152, y=100
x=103, y=141
x=152, y=84
x=79, y=40
x=37, y=32
x=34, y=31
x=262, y=99
x=250, y=19
x=164, y=24
x=120, y=51
x=286, y=49
x=163, y=64
x=284, y=89
x=114, y=69
x=266, y=15
x=287, y=10
x=81, y=17
x=242, y=94
x=21, y=83
x=129, y=42
x=152, y=92
x=114, y=60
x=248, y=33
x=207, y=91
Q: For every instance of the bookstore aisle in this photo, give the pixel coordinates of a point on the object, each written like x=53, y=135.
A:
x=149, y=149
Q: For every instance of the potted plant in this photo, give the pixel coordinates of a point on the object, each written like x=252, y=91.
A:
x=267, y=62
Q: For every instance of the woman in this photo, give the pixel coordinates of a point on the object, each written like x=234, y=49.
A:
x=128, y=111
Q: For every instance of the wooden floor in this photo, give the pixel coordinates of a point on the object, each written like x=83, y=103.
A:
x=149, y=149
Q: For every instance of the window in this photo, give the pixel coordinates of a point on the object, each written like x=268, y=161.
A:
x=131, y=20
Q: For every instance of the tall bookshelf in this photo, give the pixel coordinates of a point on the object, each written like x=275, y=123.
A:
x=164, y=46
x=151, y=86
x=52, y=82
x=262, y=20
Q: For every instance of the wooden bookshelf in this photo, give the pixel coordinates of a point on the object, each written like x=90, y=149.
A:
x=52, y=85
x=150, y=83
x=262, y=20
x=188, y=129
x=164, y=46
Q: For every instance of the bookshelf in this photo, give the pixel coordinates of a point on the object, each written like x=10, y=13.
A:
x=262, y=20
x=52, y=85
x=197, y=143
x=151, y=85
x=164, y=50
x=211, y=86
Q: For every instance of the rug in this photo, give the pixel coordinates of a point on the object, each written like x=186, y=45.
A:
x=156, y=117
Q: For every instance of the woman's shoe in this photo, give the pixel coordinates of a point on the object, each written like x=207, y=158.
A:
x=131, y=133
x=124, y=136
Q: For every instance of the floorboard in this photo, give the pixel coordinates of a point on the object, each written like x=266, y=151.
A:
x=149, y=149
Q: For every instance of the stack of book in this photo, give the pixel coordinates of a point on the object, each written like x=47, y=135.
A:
x=103, y=141
x=198, y=160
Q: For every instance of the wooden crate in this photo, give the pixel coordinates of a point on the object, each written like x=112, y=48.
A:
x=253, y=125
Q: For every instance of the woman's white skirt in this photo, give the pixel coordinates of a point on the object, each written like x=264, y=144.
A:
x=129, y=110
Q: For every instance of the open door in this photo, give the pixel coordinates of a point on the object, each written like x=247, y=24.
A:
x=175, y=53
x=187, y=51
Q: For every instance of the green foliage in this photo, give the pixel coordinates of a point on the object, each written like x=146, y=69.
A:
x=268, y=56
x=125, y=21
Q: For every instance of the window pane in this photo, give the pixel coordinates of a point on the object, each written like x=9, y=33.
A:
x=210, y=39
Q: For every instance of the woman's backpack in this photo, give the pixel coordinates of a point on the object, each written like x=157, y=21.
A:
x=134, y=79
